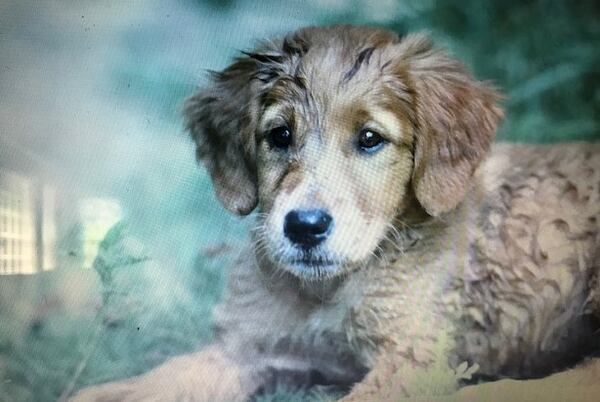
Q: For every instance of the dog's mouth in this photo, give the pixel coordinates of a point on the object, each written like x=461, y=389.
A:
x=314, y=262
x=315, y=266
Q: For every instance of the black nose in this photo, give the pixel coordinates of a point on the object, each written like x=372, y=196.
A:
x=307, y=227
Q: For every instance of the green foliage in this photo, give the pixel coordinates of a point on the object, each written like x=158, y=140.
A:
x=542, y=54
x=38, y=368
x=142, y=317
x=437, y=379
x=113, y=256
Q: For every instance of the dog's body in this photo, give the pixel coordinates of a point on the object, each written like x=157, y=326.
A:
x=508, y=273
x=497, y=254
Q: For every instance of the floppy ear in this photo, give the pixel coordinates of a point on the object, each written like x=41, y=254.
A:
x=222, y=121
x=455, y=122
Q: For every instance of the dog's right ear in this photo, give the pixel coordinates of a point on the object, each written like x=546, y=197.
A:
x=222, y=120
x=455, y=118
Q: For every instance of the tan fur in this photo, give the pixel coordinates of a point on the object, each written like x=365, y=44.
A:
x=431, y=238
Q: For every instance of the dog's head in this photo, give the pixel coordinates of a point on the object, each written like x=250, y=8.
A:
x=331, y=131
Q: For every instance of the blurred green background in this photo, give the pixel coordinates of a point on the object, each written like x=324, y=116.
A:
x=90, y=105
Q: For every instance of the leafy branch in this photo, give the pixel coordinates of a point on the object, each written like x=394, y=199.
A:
x=115, y=252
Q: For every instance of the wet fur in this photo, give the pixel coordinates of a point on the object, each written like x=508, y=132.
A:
x=495, y=245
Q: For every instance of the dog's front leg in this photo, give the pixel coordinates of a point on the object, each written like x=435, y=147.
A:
x=208, y=375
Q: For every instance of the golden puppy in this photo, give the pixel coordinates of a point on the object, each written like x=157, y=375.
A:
x=386, y=221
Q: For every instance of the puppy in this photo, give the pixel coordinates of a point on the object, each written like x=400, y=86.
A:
x=386, y=221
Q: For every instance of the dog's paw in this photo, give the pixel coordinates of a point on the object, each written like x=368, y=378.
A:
x=111, y=392
x=205, y=376
x=160, y=390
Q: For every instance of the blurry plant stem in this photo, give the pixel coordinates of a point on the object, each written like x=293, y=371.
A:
x=105, y=265
x=93, y=343
x=83, y=362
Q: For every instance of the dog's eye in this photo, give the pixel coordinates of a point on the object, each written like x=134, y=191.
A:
x=370, y=141
x=280, y=137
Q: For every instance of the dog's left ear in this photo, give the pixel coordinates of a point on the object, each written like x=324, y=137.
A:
x=222, y=120
x=455, y=123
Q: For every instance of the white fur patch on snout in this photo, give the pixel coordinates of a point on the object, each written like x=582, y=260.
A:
x=352, y=236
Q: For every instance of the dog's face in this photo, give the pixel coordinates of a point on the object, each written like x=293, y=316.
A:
x=333, y=163
x=331, y=132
